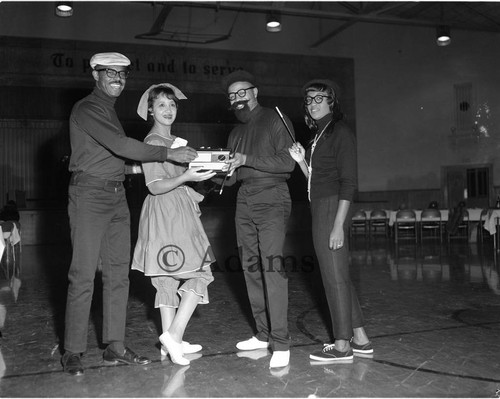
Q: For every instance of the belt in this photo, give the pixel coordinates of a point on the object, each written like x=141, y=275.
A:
x=263, y=180
x=82, y=179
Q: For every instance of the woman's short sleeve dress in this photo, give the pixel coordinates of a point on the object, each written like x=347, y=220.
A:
x=171, y=239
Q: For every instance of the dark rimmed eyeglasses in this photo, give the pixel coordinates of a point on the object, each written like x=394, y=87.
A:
x=241, y=93
x=317, y=99
x=111, y=73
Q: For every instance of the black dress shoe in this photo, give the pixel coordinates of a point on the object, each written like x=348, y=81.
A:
x=72, y=364
x=129, y=357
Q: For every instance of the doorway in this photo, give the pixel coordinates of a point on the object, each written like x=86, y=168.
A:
x=470, y=183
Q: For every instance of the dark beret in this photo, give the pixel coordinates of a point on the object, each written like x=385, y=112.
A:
x=326, y=82
x=237, y=76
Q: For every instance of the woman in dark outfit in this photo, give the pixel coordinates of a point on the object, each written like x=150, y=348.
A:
x=330, y=167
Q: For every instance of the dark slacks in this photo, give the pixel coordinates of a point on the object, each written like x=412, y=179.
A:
x=341, y=296
x=262, y=214
x=100, y=233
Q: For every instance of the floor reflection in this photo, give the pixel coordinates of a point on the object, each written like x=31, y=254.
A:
x=491, y=274
x=173, y=384
x=431, y=310
x=9, y=292
x=431, y=262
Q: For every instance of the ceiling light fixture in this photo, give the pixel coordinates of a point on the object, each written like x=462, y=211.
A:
x=64, y=9
x=273, y=22
x=443, y=37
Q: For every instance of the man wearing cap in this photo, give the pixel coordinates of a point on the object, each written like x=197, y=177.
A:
x=262, y=165
x=99, y=215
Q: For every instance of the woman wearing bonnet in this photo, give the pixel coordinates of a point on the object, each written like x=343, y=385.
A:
x=172, y=246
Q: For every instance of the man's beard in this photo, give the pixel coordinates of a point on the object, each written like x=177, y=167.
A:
x=241, y=110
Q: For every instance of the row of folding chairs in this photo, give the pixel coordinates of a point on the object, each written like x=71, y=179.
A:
x=376, y=224
x=430, y=225
x=406, y=225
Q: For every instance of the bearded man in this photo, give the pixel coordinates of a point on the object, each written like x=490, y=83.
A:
x=262, y=164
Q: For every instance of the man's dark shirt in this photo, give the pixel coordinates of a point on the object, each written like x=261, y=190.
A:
x=99, y=145
x=265, y=142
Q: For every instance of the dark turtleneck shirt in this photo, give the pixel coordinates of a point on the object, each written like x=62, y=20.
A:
x=334, y=161
x=265, y=141
x=99, y=145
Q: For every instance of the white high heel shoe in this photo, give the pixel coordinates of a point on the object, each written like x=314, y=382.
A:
x=187, y=348
x=174, y=349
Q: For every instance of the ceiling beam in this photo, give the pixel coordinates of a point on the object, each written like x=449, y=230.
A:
x=157, y=27
x=263, y=8
x=333, y=33
x=493, y=21
x=348, y=24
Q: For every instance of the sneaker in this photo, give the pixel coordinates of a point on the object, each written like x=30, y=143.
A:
x=279, y=359
x=365, y=350
x=322, y=363
x=252, y=344
x=330, y=354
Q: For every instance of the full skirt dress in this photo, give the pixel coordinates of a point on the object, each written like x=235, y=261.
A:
x=171, y=238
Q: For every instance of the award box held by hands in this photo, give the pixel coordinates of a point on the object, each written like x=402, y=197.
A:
x=211, y=159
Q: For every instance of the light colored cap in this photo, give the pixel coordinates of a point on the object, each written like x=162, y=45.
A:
x=142, y=108
x=109, y=59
